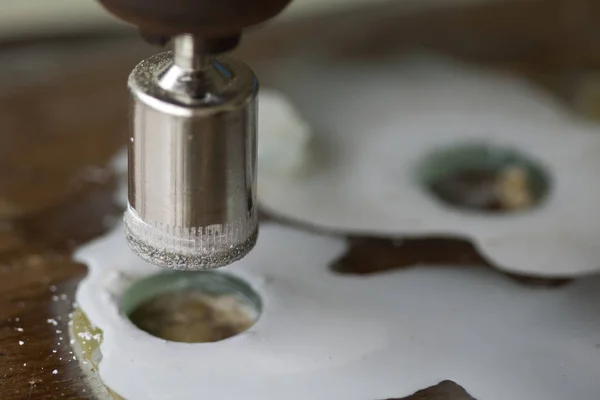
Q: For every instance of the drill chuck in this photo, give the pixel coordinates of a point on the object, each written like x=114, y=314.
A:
x=192, y=159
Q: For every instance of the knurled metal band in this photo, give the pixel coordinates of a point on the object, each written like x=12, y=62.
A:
x=191, y=249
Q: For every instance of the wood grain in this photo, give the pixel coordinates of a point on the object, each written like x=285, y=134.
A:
x=59, y=129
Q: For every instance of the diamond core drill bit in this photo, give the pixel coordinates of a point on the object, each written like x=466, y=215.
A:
x=192, y=158
x=192, y=148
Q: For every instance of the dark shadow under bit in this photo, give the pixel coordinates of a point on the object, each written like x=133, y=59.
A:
x=446, y=390
x=264, y=216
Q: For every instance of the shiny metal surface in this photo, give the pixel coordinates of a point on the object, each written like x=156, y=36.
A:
x=192, y=160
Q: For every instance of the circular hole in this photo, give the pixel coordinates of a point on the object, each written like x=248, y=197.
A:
x=485, y=178
x=192, y=307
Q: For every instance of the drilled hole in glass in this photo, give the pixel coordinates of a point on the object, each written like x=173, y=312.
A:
x=192, y=307
x=484, y=178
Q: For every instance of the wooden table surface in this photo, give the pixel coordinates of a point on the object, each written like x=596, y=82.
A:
x=63, y=114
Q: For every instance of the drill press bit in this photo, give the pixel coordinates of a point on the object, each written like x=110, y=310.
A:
x=192, y=150
x=192, y=158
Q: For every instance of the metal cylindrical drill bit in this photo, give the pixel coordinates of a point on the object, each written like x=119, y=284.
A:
x=192, y=159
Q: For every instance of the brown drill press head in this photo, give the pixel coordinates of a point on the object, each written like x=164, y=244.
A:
x=221, y=21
